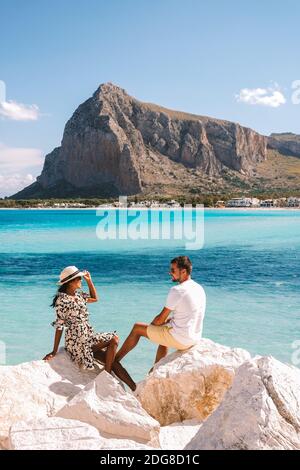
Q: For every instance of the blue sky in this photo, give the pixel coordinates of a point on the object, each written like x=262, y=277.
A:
x=192, y=55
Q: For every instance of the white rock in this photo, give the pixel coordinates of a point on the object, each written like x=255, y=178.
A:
x=104, y=404
x=38, y=388
x=260, y=412
x=53, y=433
x=124, y=444
x=190, y=384
x=176, y=436
x=63, y=434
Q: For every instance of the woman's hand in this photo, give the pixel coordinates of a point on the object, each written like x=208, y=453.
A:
x=87, y=276
x=93, y=297
x=49, y=356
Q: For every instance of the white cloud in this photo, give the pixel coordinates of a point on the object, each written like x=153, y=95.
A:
x=11, y=184
x=271, y=96
x=16, y=165
x=18, y=111
x=15, y=159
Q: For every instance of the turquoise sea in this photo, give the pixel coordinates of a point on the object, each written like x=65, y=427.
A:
x=249, y=267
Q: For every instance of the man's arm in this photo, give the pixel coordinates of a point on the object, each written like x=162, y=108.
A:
x=162, y=317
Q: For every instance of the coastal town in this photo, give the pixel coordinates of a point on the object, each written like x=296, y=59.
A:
x=237, y=202
x=255, y=202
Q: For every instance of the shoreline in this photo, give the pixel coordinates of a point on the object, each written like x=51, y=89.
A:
x=152, y=208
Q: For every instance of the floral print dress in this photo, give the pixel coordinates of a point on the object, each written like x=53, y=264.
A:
x=72, y=316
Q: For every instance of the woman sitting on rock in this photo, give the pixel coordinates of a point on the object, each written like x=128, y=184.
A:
x=81, y=342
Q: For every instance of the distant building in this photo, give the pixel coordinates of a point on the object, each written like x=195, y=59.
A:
x=174, y=203
x=243, y=202
x=282, y=202
x=220, y=204
x=255, y=202
x=269, y=203
x=293, y=202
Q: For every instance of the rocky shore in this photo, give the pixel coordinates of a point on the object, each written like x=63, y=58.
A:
x=210, y=397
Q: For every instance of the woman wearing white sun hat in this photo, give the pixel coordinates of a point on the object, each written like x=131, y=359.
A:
x=81, y=342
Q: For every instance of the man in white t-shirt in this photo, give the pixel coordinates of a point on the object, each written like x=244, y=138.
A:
x=181, y=330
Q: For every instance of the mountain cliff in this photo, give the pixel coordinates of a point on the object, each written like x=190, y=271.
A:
x=286, y=143
x=114, y=144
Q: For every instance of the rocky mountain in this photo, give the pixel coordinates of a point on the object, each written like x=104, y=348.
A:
x=286, y=143
x=114, y=144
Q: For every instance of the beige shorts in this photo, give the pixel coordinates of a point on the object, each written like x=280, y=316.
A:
x=160, y=334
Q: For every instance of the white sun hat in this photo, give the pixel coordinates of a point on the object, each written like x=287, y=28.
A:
x=69, y=273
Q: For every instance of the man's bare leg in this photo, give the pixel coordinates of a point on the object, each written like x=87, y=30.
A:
x=162, y=351
x=138, y=330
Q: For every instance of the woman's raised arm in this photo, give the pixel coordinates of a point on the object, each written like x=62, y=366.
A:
x=93, y=293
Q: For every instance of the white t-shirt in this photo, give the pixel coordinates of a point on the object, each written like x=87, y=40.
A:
x=187, y=302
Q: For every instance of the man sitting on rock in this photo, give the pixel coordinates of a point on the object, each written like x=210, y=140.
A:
x=187, y=302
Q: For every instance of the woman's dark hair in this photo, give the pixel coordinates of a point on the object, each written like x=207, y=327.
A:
x=62, y=288
x=183, y=262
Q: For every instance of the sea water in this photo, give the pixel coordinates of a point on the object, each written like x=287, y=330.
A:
x=248, y=266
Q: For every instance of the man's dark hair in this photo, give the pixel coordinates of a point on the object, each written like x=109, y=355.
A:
x=183, y=262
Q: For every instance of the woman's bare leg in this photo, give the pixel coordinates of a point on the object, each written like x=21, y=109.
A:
x=111, y=353
x=111, y=349
x=118, y=369
x=122, y=373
